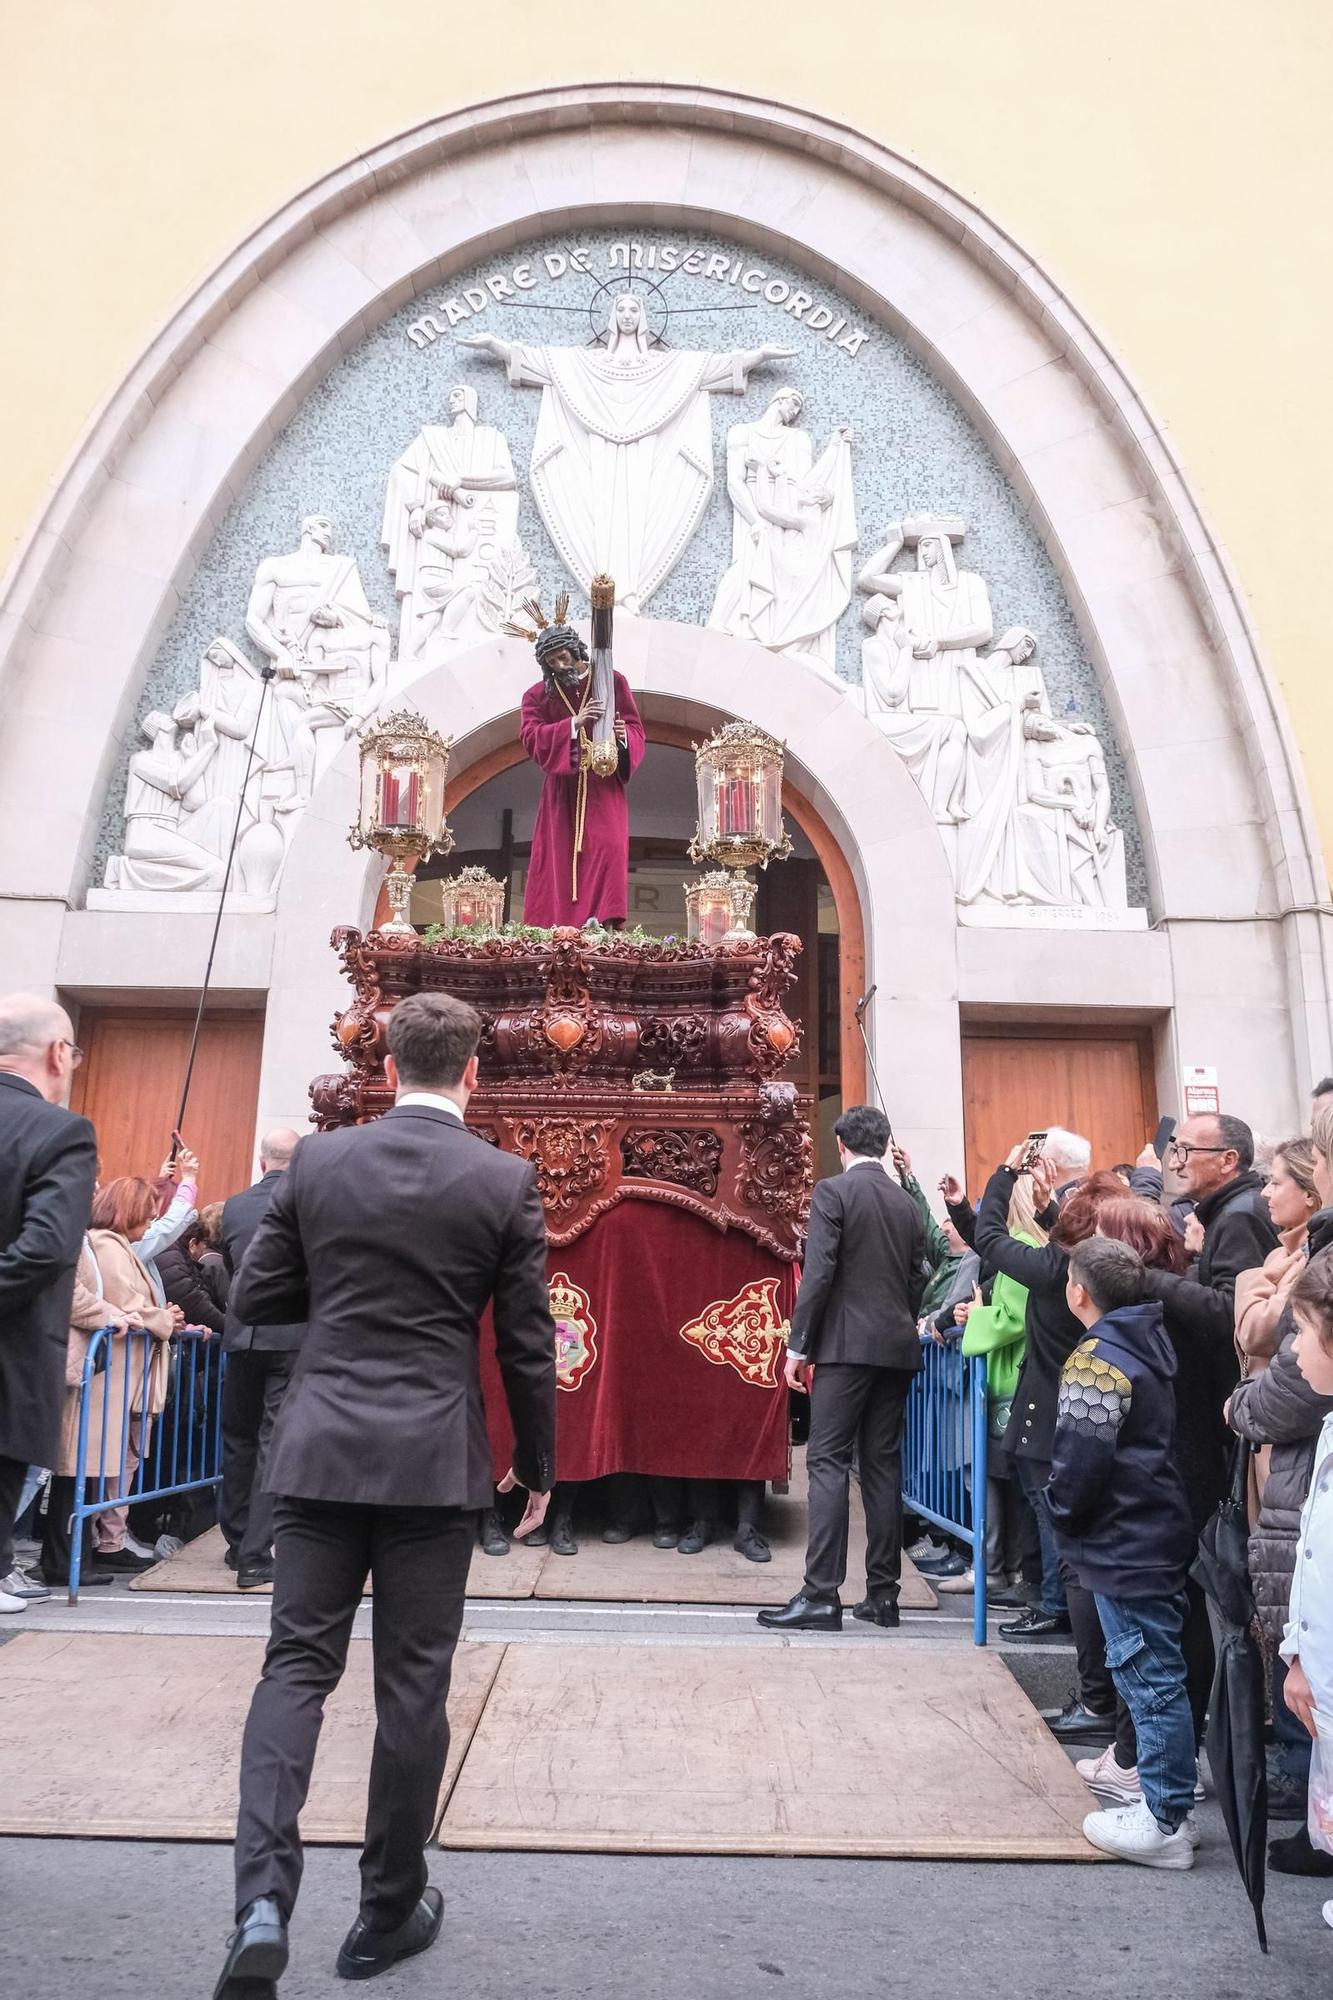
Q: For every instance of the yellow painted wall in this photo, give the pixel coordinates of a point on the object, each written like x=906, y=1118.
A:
x=1168, y=161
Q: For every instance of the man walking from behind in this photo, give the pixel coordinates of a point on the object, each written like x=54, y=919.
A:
x=48, y=1166
x=388, y=1240
x=854, y=1348
x=259, y=1367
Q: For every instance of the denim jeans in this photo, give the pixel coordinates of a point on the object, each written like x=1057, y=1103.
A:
x=1033, y=1474
x=1144, y=1654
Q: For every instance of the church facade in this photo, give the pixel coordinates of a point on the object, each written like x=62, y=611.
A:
x=863, y=475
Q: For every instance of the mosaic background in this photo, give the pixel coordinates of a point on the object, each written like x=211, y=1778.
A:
x=913, y=451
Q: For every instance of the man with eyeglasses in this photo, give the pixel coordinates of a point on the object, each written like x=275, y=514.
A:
x=1212, y=1157
x=48, y=1164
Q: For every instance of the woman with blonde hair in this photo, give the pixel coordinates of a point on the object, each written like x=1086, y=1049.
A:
x=1261, y=1295
x=136, y=1375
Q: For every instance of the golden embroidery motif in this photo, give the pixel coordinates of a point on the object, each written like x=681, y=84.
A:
x=747, y=1333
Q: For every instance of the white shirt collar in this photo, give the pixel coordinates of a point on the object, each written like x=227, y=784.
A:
x=434, y=1100
x=864, y=1160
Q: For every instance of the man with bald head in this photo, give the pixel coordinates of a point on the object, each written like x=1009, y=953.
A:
x=259, y=1367
x=48, y=1165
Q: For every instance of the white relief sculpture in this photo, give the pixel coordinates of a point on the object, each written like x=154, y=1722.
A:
x=168, y=847
x=450, y=519
x=622, y=459
x=230, y=695
x=1022, y=799
x=793, y=533
x=308, y=612
x=466, y=588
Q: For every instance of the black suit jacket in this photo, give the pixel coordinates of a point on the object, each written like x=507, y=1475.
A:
x=865, y=1273
x=48, y=1168
x=241, y=1216
x=390, y=1239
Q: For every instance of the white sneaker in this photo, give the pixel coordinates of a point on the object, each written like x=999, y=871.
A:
x=1328, y=1915
x=926, y=1547
x=1132, y=1834
x=1110, y=1780
x=9, y=1605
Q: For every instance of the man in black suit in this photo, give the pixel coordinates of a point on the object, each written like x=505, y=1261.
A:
x=48, y=1168
x=388, y=1240
x=259, y=1367
x=854, y=1347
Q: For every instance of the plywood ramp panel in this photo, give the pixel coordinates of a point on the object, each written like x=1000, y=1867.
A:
x=877, y=1751
x=130, y=1737
x=201, y=1567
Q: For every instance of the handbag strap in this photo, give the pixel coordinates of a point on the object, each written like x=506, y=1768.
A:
x=1240, y=1473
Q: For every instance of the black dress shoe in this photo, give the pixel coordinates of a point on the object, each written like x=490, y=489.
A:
x=666, y=1538
x=89, y=1579
x=617, y=1531
x=1076, y=1724
x=257, y=1955
x=539, y=1537
x=365, y=1953
x=748, y=1542
x=804, y=1614
x=1298, y=1855
x=877, y=1611
x=494, y=1541
x=124, y=1562
x=695, y=1539
x=231, y=1559
x=254, y=1576
x=562, y=1536
x=938, y=1566
x=1038, y=1624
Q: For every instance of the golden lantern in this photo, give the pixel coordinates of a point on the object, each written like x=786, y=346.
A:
x=739, y=774
x=404, y=765
x=718, y=906
x=472, y=900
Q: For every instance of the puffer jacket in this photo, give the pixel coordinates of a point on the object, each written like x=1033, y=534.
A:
x=1279, y=1408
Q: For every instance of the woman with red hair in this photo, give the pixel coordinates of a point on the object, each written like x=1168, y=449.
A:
x=122, y=1211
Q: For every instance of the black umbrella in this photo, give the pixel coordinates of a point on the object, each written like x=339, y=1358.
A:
x=1235, y=1733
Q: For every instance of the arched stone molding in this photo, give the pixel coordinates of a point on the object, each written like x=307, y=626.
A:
x=1238, y=881
x=836, y=762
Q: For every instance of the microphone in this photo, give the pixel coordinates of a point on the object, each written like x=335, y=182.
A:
x=864, y=1002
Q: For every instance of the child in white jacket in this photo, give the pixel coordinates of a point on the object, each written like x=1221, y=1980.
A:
x=1307, y=1643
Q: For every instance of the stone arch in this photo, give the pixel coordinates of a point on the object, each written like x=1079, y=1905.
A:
x=860, y=804
x=1242, y=961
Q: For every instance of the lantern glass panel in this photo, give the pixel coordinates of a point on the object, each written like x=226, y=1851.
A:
x=400, y=794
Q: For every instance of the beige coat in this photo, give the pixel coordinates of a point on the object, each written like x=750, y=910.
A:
x=1261, y=1299
x=126, y=1293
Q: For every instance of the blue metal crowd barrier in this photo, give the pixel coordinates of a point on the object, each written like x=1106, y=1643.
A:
x=944, y=1460
x=179, y=1450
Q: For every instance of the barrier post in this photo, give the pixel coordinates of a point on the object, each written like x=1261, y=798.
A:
x=946, y=1436
x=975, y=1368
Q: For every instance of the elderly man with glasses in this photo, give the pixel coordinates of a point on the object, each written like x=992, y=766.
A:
x=1212, y=1158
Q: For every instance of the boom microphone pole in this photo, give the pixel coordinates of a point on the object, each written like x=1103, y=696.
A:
x=862, y=1007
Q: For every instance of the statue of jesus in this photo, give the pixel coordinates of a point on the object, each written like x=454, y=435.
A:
x=622, y=460
x=580, y=843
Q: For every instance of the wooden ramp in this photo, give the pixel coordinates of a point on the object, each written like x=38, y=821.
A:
x=129, y=1737
x=876, y=1751
x=201, y=1567
x=870, y=1748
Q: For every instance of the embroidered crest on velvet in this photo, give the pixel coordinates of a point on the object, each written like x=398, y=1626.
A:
x=575, y=1331
x=747, y=1333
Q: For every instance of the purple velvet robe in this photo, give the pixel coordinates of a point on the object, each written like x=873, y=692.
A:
x=604, y=861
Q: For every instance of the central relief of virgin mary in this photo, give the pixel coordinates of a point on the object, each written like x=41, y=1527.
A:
x=622, y=462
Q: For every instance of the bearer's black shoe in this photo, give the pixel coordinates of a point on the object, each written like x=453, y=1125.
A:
x=231, y=1559
x=494, y=1540
x=695, y=1539
x=877, y=1611
x=804, y=1614
x=617, y=1531
x=1038, y=1624
x=254, y=1576
x=748, y=1542
x=1076, y=1724
x=666, y=1538
x=257, y=1955
x=562, y=1536
x=366, y=1953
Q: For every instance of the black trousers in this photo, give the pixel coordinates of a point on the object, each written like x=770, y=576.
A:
x=252, y=1394
x=418, y=1558
x=13, y=1472
x=859, y=1410
x=57, y=1531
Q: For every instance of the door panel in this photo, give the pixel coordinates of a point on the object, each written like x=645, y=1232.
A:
x=130, y=1085
x=1099, y=1085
